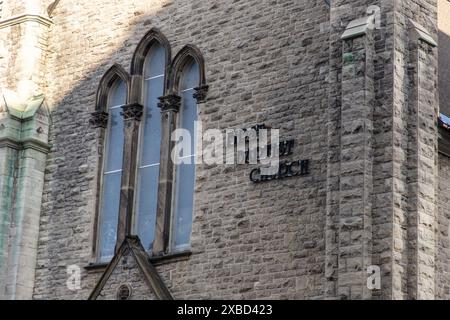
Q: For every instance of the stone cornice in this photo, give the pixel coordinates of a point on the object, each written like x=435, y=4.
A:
x=25, y=18
x=36, y=145
x=25, y=144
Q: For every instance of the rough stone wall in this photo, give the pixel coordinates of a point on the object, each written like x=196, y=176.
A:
x=342, y=12
x=404, y=173
x=414, y=70
x=267, y=62
x=23, y=48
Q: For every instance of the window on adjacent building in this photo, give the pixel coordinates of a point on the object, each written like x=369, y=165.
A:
x=112, y=171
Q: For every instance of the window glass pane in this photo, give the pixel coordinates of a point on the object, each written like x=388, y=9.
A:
x=110, y=214
x=112, y=172
x=115, y=139
x=185, y=173
x=151, y=140
x=147, y=201
x=190, y=77
x=148, y=174
x=118, y=94
x=155, y=63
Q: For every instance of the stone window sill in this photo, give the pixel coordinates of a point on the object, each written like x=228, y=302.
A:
x=156, y=260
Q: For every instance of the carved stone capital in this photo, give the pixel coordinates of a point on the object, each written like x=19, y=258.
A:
x=201, y=93
x=171, y=102
x=132, y=111
x=99, y=119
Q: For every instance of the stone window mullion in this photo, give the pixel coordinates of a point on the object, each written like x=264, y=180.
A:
x=170, y=105
x=132, y=114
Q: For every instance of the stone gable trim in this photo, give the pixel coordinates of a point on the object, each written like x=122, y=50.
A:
x=26, y=18
x=133, y=244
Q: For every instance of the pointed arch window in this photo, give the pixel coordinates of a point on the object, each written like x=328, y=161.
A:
x=150, y=141
x=112, y=170
x=184, y=181
x=141, y=191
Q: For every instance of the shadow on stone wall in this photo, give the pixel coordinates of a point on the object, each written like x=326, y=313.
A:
x=70, y=189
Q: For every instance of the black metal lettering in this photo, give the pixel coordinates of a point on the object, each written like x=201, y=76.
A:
x=304, y=165
x=255, y=175
x=294, y=172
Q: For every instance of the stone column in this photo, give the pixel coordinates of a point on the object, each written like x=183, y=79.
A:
x=422, y=164
x=356, y=156
x=9, y=163
x=24, y=148
x=170, y=105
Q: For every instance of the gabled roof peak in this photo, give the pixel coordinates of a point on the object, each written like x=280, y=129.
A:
x=132, y=246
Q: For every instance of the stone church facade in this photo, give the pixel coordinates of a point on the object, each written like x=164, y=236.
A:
x=93, y=206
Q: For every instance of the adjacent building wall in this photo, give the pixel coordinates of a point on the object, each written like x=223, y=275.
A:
x=443, y=226
x=444, y=55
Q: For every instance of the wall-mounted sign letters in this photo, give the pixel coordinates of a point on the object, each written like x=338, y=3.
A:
x=285, y=170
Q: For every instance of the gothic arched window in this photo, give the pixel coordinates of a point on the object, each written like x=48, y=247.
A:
x=111, y=98
x=150, y=140
x=184, y=177
x=141, y=191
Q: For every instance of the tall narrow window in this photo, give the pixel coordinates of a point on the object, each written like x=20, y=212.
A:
x=112, y=171
x=149, y=160
x=185, y=172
